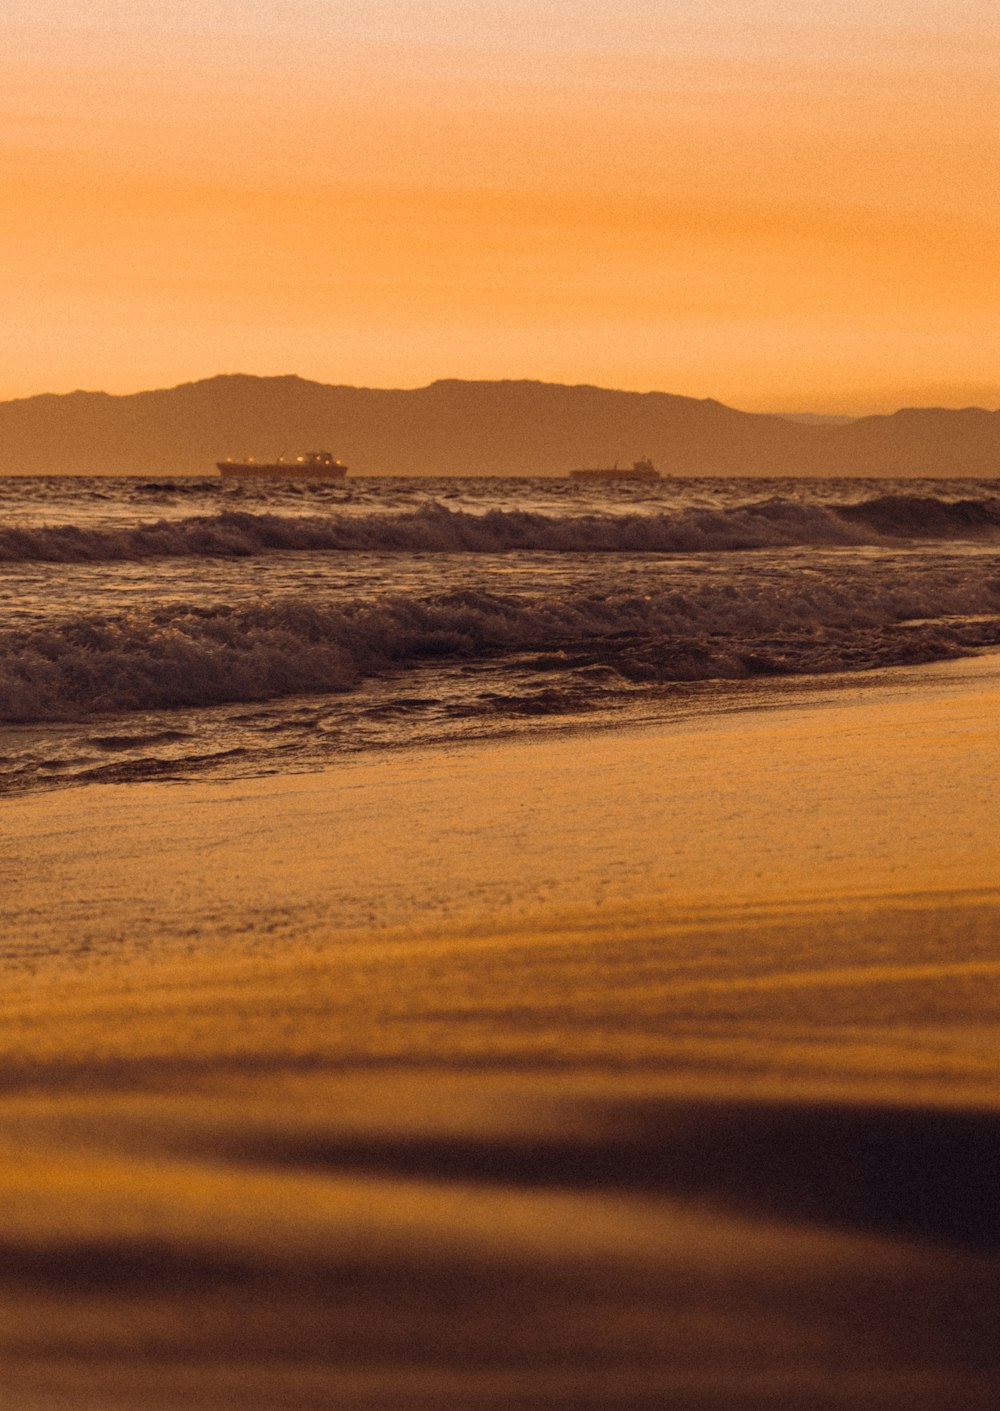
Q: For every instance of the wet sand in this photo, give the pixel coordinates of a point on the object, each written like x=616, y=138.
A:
x=649, y=1068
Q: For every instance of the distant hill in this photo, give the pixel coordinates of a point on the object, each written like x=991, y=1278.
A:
x=477, y=428
x=817, y=418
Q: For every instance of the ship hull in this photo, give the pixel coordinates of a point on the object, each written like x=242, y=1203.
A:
x=615, y=474
x=239, y=470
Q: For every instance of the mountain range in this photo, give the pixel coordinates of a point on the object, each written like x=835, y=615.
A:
x=476, y=428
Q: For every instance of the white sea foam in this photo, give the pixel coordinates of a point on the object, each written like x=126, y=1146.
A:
x=183, y=655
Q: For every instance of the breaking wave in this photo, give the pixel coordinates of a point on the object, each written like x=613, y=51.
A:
x=436, y=529
x=186, y=655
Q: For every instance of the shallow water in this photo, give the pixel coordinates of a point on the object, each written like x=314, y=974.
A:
x=174, y=627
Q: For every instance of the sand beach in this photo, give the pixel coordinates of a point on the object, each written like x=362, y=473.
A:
x=649, y=1066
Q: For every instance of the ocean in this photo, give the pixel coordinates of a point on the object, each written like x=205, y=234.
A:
x=178, y=627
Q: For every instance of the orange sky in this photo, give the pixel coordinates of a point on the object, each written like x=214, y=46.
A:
x=786, y=206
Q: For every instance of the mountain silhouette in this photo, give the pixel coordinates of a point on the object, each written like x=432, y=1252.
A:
x=472, y=428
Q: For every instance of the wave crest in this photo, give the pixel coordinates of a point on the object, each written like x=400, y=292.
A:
x=436, y=529
x=182, y=655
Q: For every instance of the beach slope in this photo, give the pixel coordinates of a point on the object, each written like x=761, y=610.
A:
x=649, y=1069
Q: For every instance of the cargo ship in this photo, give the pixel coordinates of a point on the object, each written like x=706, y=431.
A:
x=311, y=465
x=638, y=470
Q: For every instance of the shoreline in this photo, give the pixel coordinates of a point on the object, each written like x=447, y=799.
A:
x=823, y=798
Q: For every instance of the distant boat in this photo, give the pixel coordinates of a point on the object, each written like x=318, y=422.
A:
x=639, y=470
x=311, y=465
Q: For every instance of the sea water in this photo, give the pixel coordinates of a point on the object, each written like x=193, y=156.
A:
x=183, y=627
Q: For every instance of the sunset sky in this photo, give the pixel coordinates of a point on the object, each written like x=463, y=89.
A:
x=786, y=206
